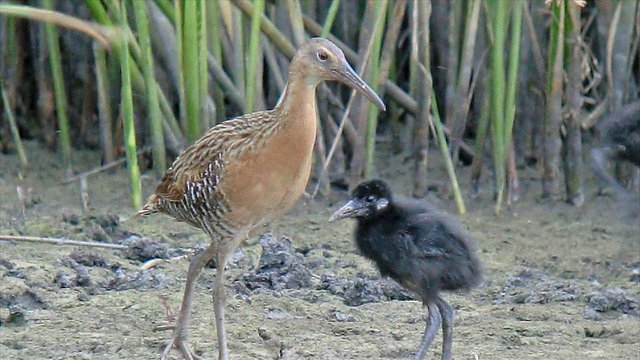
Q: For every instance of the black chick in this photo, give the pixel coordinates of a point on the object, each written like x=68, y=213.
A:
x=421, y=249
x=621, y=141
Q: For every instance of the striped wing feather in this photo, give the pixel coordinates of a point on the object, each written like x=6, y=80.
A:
x=208, y=155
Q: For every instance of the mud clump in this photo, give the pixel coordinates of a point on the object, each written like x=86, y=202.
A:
x=88, y=259
x=109, y=222
x=115, y=279
x=65, y=280
x=363, y=289
x=144, y=249
x=80, y=277
x=532, y=286
x=615, y=299
x=17, y=317
x=634, y=274
x=339, y=316
x=70, y=217
x=600, y=332
x=7, y=264
x=27, y=300
x=103, y=228
x=138, y=280
x=280, y=267
x=121, y=281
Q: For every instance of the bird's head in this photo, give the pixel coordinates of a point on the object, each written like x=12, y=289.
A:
x=321, y=60
x=369, y=199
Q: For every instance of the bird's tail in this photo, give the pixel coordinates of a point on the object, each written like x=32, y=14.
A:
x=149, y=208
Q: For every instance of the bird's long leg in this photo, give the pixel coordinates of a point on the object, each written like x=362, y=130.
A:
x=433, y=324
x=219, y=299
x=178, y=339
x=446, y=311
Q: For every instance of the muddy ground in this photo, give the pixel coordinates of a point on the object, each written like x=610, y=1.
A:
x=560, y=282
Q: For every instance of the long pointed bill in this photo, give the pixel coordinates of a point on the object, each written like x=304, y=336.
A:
x=350, y=209
x=349, y=77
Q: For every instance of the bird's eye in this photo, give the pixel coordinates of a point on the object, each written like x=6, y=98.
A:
x=322, y=56
x=370, y=198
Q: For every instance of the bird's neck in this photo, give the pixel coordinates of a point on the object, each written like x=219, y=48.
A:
x=298, y=100
x=296, y=122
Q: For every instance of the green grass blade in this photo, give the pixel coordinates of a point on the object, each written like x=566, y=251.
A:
x=191, y=69
x=168, y=9
x=552, y=122
x=215, y=40
x=481, y=134
x=22, y=156
x=153, y=106
x=10, y=53
x=331, y=16
x=512, y=76
x=100, y=15
x=104, y=104
x=444, y=150
x=97, y=11
x=205, y=116
x=372, y=121
x=499, y=9
x=252, y=63
x=269, y=29
x=59, y=90
x=127, y=117
x=297, y=24
x=180, y=55
x=237, y=50
x=215, y=44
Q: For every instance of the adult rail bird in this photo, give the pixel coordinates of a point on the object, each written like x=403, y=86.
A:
x=421, y=249
x=248, y=171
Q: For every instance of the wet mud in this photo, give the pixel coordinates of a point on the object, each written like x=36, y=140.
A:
x=559, y=282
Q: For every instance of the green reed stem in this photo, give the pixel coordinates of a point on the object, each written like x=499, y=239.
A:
x=191, y=69
x=237, y=51
x=128, y=121
x=215, y=44
x=14, y=129
x=372, y=121
x=104, y=105
x=98, y=12
x=205, y=116
x=252, y=63
x=153, y=106
x=331, y=16
x=497, y=97
x=59, y=90
x=100, y=15
x=481, y=137
x=167, y=8
x=512, y=75
x=444, y=149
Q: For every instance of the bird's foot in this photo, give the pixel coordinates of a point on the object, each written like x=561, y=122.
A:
x=180, y=345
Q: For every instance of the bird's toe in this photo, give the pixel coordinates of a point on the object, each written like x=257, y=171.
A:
x=182, y=346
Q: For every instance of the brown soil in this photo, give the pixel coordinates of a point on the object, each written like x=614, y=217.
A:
x=560, y=282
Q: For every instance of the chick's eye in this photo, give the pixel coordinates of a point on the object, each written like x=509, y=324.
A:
x=322, y=56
